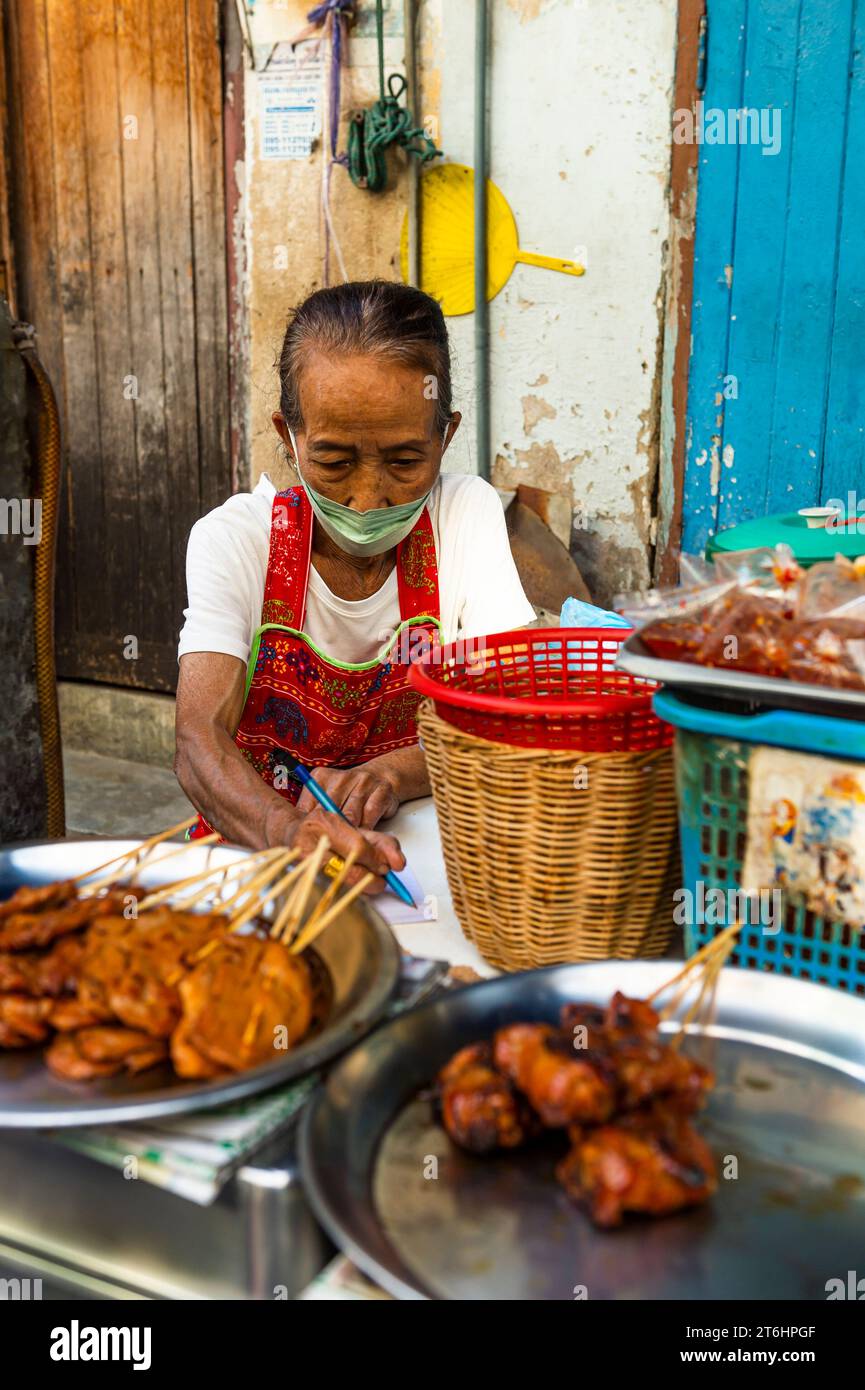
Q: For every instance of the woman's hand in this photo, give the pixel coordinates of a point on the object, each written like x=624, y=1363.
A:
x=374, y=790
x=376, y=853
x=365, y=794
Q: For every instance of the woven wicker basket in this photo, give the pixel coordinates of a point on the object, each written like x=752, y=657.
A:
x=554, y=856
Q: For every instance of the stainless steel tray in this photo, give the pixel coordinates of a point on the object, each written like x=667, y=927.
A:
x=635, y=658
x=789, y=1107
x=358, y=949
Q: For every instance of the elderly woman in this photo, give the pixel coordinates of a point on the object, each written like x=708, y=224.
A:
x=300, y=601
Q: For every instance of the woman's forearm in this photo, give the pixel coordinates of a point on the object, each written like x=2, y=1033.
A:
x=228, y=792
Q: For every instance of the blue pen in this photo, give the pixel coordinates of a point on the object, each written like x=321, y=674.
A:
x=305, y=777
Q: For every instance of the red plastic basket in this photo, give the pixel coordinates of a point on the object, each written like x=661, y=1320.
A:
x=542, y=688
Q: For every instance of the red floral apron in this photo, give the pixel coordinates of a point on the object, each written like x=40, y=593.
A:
x=327, y=713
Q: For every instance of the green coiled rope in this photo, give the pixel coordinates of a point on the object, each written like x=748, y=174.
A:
x=385, y=123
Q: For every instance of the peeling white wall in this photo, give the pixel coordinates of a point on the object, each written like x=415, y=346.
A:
x=580, y=126
x=580, y=104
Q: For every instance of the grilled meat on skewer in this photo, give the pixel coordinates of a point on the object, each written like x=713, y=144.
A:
x=624, y=1095
x=111, y=1044
x=480, y=1109
x=52, y=972
x=131, y=970
x=110, y=986
x=188, y=1061
x=623, y=1017
x=21, y=931
x=645, y=1066
x=244, y=1001
x=631, y=1015
x=38, y=898
x=65, y=1059
x=647, y=1069
x=653, y=1162
x=561, y=1083
x=95, y=1052
x=68, y=1015
x=23, y=1020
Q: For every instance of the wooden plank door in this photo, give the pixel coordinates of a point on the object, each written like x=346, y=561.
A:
x=118, y=226
x=776, y=397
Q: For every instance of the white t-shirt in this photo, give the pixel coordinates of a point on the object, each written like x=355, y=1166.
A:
x=226, y=563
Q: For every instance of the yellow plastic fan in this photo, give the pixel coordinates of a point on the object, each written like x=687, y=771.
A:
x=447, y=240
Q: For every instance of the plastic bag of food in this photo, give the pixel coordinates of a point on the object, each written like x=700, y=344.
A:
x=767, y=566
x=828, y=651
x=746, y=631
x=670, y=604
x=834, y=588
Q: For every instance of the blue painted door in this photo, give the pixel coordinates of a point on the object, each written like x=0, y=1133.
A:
x=776, y=391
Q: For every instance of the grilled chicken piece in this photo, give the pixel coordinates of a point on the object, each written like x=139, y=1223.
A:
x=131, y=969
x=21, y=931
x=589, y=1016
x=631, y=1015
x=645, y=1066
x=23, y=1020
x=621, y=1016
x=647, y=1069
x=562, y=1084
x=480, y=1109
x=246, y=1000
x=652, y=1162
x=51, y=972
x=95, y=1052
x=38, y=898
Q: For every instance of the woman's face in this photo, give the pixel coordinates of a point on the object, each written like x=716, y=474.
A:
x=369, y=435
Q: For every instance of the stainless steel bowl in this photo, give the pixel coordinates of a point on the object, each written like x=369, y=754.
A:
x=358, y=950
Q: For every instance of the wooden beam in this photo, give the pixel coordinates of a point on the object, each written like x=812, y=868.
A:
x=680, y=290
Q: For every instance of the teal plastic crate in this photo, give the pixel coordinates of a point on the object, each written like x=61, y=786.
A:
x=713, y=752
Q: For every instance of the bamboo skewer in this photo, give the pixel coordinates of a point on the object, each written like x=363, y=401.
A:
x=288, y=921
x=702, y=969
x=136, y=869
x=331, y=891
x=208, y=890
x=295, y=905
x=712, y=970
x=307, y=937
x=207, y=948
x=259, y=881
x=696, y=960
x=229, y=870
x=143, y=849
x=172, y=889
x=285, y=911
x=240, y=918
x=181, y=849
x=252, y=1025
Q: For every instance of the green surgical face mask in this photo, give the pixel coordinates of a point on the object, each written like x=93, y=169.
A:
x=361, y=533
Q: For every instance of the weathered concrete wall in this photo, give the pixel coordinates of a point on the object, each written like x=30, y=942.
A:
x=581, y=96
x=285, y=231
